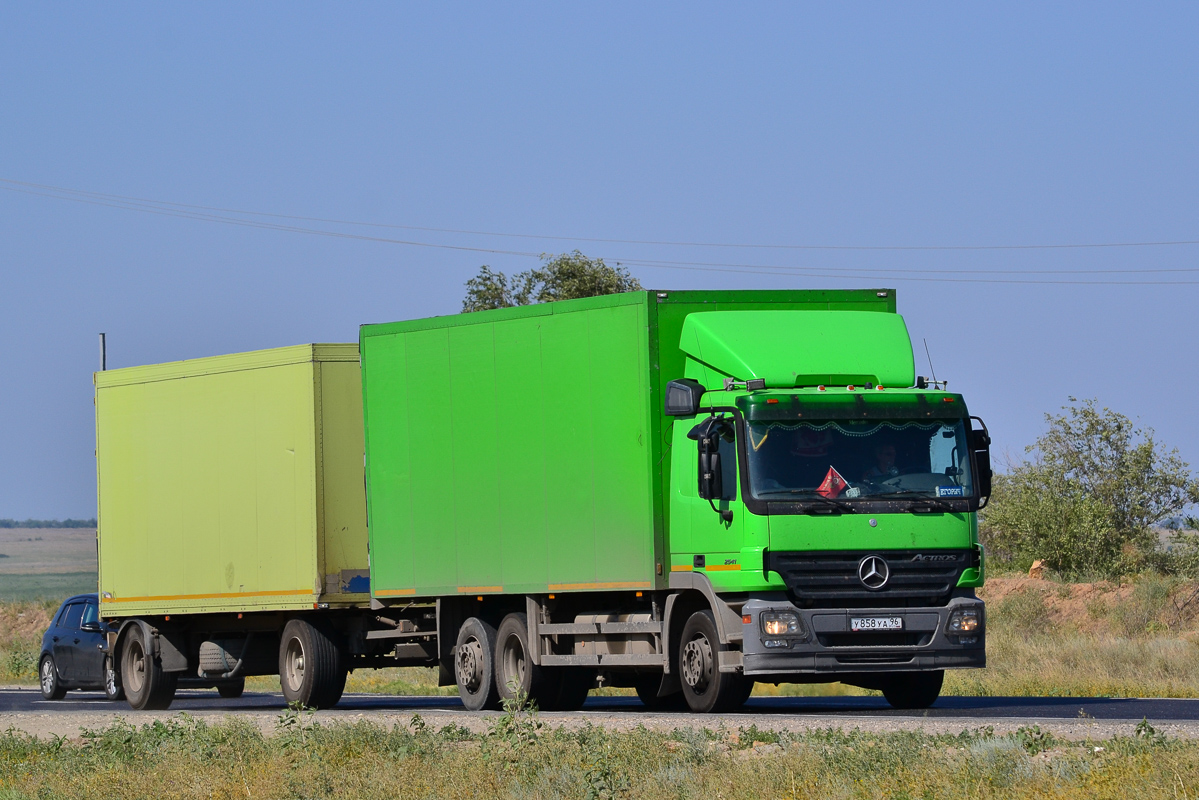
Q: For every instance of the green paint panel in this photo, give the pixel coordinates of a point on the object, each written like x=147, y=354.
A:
x=789, y=348
x=525, y=449
x=232, y=482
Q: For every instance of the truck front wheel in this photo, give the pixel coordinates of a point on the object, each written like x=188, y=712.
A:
x=146, y=686
x=311, y=670
x=474, y=665
x=911, y=690
x=706, y=689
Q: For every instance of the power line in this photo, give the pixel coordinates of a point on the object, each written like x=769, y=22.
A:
x=206, y=214
x=670, y=243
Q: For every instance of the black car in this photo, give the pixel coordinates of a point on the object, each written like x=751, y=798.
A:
x=75, y=651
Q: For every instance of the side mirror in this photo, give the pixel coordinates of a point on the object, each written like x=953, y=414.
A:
x=682, y=398
x=711, y=479
x=980, y=443
x=91, y=627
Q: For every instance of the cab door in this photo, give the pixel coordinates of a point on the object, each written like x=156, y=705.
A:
x=697, y=528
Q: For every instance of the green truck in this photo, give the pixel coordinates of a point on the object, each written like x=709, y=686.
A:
x=683, y=493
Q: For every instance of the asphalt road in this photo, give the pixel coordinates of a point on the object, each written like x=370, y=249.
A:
x=1077, y=717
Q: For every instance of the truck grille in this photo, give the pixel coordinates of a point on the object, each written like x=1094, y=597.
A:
x=830, y=579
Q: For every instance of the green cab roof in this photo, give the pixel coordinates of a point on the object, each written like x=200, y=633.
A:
x=802, y=348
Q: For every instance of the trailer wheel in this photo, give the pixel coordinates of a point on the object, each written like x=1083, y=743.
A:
x=232, y=690
x=146, y=686
x=474, y=665
x=52, y=688
x=909, y=690
x=706, y=689
x=514, y=665
x=311, y=671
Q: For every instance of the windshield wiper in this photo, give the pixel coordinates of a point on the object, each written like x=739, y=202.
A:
x=819, y=498
x=920, y=496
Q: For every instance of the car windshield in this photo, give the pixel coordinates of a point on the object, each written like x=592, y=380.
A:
x=850, y=459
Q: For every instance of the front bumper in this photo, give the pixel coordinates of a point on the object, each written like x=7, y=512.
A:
x=828, y=646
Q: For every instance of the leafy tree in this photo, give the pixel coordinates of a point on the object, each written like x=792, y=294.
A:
x=1088, y=499
x=562, y=277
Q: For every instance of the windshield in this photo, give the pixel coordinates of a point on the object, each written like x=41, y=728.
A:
x=848, y=459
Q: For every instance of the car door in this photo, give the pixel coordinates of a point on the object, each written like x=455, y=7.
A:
x=88, y=662
x=66, y=639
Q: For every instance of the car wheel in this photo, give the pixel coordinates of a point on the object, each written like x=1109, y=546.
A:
x=112, y=689
x=233, y=690
x=52, y=688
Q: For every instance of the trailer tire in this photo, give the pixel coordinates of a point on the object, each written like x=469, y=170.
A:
x=311, y=669
x=913, y=690
x=474, y=665
x=514, y=664
x=569, y=688
x=147, y=687
x=706, y=689
x=232, y=690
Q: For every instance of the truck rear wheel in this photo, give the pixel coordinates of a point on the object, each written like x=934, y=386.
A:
x=474, y=665
x=647, y=692
x=910, y=690
x=514, y=667
x=706, y=689
x=311, y=670
x=146, y=686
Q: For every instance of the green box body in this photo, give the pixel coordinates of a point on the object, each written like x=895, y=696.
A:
x=232, y=483
x=526, y=450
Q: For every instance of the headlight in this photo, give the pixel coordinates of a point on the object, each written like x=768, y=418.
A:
x=964, y=620
x=780, y=623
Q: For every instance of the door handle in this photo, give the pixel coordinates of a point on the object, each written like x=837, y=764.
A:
x=76, y=641
x=54, y=638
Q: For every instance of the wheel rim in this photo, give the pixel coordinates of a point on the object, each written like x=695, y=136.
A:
x=47, y=676
x=135, y=657
x=470, y=665
x=513, y=661
x=295, y=664
x=696, y=664
x=110, y=680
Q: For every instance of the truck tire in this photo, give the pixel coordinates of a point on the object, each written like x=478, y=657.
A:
x=647, y=692
x=706, y=689
x=47, y=673
x=514, y=665
x=912, y=690
x=233, y=689
x=147, y=687
x=474, y=665
x=311, y=669
x=569, y=687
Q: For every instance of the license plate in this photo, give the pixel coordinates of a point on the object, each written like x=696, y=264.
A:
x=876, y=624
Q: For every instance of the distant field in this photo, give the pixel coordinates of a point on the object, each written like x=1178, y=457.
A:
x=46, y=563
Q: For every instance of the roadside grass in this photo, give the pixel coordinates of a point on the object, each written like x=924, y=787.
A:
x=519, y=757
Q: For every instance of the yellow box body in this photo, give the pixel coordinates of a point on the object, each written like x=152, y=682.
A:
x=232, y=483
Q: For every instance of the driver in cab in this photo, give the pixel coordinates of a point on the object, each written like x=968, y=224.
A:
x=884, y=464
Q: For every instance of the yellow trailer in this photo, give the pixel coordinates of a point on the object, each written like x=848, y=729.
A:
x=232, y=483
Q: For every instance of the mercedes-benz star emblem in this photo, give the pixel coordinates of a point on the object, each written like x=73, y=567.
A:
x=873, y=572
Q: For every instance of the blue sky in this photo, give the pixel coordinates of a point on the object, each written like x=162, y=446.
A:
x=848, y=125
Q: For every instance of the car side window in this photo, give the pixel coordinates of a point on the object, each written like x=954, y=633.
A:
x=73, y=617
x=90, y=614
